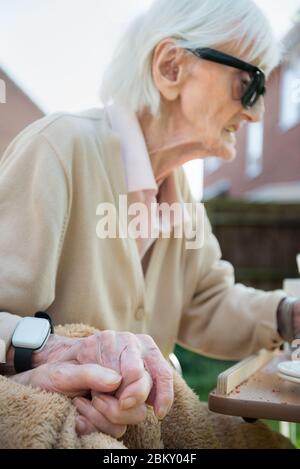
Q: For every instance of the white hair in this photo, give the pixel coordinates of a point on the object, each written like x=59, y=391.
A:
x=192, y=24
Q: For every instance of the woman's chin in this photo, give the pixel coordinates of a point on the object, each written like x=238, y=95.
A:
x=230, y=153
x=229, y=144
x=226, y=149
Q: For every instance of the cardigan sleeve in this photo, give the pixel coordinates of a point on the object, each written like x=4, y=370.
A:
x=33, y=214
x=224, y=319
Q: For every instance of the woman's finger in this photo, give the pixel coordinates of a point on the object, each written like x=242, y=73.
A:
x=109, y=407
x=135, y=394
x=162, y=392
x=74, y=380
x=131, y=364
x=97, y=420
x=84, y=426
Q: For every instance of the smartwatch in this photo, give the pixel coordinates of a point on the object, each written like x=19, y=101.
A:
x=30, y=336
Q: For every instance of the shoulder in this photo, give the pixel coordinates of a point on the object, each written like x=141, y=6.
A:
x=65, y=129
x=70, y=136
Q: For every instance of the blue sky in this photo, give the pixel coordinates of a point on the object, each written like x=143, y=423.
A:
x=56, y=50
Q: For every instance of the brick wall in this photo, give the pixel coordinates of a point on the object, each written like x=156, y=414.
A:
x=18, y=112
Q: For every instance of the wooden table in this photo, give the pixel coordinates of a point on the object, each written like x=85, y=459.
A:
x=264, y=395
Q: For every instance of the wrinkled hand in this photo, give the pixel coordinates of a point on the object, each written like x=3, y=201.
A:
x=129, y=355
x=104, y=413
x=146, y=377
x=132, y=356
x=71, y=380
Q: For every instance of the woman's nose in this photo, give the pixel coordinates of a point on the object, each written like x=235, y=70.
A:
x=255, y=113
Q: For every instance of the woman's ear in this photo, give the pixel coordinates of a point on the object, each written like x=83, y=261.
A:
x=167, y=69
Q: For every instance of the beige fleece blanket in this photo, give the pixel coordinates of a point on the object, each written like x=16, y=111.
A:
x=31, y=418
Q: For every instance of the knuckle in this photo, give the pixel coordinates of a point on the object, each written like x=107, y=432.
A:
x=135, y=368
x=129, y=337
x=57, y=375
x=90, y=342
x=148, y=340
x=107, y=336
x=87, y=349
x=150, y=348
x=114, y=416
x=141, y=396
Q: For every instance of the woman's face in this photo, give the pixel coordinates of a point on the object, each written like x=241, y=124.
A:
x=209, y=108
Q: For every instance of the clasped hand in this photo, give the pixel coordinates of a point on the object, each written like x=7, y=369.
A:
x=111, y=377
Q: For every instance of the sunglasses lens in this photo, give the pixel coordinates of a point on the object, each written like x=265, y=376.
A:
x=250, y=100
x=245, y=89
x=253, y=93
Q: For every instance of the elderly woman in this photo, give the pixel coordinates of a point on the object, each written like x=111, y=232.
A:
x=185, y=77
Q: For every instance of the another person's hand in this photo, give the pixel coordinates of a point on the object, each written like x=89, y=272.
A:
x=70, y=380
x=78, y=380
x=126, y=353
x=104, y=414
x=129, y=355
x=147, y=376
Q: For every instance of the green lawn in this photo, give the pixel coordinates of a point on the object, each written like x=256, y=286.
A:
x=201, y=375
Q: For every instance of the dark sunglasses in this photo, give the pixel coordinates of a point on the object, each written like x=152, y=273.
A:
x=256, y=87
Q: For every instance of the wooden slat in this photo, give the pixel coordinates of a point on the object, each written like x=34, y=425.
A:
x=234, y=376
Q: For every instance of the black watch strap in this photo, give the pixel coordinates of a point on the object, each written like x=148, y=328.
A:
x=22, y=359
x=42, y=315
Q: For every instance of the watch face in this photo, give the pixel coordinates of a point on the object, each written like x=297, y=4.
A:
x=31, y=333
